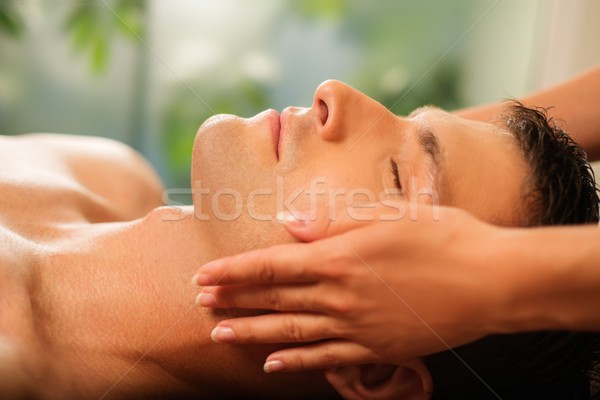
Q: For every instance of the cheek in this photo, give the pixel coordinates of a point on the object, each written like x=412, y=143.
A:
x=330, y=184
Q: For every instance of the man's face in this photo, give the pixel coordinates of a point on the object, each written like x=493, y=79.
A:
x=348, y=149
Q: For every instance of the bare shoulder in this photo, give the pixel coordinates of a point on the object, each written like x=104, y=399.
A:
x=106, y=167
x=15, y=380
x=20, y=358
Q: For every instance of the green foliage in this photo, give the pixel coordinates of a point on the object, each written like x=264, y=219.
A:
x=92, y=24
x=180, y=123
x=326, y=9
x=387, y=34
x=439, y=87
x=424, y=61
x=10, y=21
x=130, y=17
x=186, y=112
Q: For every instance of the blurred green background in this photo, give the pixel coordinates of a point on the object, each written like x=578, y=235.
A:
x=148, y=73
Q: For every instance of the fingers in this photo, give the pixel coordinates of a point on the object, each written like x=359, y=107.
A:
x=322, y=355
x=328, y=222
x=275, y=328
x=281, y=264
x=296, y=262
x=295, y=328
x=263, y=297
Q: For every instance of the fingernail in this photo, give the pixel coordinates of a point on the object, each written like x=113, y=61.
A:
x=206, y=300
x=195, y=279
x=222, y=334
x=297, y=221
x=273, y=366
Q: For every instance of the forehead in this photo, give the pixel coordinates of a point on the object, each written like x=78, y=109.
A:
x=482, y=168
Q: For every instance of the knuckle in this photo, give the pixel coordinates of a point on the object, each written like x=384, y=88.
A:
x=223, y=297
x=336, y=260
x=329, y=358
x=317, y=301
x=292, y=330
x=272, y=299
x=266, y=273
x=338, y=330
x=296, y=362
x=339, y=305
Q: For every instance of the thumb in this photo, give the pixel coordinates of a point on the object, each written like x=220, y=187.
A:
x=309, y=226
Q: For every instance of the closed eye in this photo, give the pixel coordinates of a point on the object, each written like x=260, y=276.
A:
x=395, y=174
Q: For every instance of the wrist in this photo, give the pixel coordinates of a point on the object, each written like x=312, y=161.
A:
x=546, y=278
x=521, y=273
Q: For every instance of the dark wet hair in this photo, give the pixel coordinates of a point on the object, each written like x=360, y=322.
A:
x=560, y=190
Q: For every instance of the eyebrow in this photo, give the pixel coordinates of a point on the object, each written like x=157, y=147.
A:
x=430, y=144
x=428, y=141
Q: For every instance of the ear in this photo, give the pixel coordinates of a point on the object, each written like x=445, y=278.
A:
x=410, y=381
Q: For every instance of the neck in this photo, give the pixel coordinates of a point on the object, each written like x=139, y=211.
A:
x=130, y=311
x=130, y=318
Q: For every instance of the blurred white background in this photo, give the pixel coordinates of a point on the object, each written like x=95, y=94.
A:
x=149, y=72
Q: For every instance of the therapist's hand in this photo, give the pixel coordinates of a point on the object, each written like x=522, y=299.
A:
x=363, y=291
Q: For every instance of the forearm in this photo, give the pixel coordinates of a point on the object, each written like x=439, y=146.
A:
x=574, y=104
x=552, y=276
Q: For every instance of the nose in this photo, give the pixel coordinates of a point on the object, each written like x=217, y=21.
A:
x=328, y=108
x=339, y=110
